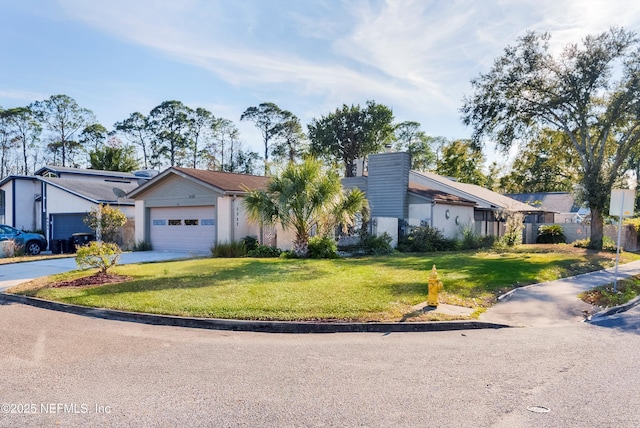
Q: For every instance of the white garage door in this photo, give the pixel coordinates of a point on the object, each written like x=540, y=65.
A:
x=183, y=228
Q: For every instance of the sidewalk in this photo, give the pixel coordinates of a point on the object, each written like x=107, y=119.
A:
x=555, y=302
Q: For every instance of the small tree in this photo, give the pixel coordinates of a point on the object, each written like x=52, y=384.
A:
x=105, y=221
x=101, y=255
x=513, y=226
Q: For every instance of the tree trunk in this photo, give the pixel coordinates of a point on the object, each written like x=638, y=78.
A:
x=597, y=229
x=301, y=245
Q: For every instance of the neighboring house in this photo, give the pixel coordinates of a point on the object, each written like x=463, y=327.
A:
x=561, y=206
x=194, y=210
x=417, y=198
x=57, y=199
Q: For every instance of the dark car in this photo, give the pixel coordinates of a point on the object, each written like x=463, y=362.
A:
x=32, y=243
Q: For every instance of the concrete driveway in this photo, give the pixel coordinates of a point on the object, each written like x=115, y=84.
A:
x=16, y=273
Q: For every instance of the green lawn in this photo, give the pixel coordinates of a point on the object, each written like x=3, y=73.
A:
x=368, y=288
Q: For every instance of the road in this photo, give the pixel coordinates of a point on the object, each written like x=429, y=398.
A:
x=78, y=371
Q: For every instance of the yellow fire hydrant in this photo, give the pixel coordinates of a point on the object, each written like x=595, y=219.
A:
x=435, y=286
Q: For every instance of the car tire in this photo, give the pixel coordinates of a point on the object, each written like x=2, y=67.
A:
x=33, y=248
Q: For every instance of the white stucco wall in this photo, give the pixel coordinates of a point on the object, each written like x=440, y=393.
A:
x=419, y=213
x=388, y=225
x=26, y=217
x=458, y=218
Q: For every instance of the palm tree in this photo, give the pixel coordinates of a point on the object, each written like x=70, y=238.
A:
x=304, y=197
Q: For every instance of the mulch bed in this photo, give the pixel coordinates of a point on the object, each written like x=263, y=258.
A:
x=92, y=281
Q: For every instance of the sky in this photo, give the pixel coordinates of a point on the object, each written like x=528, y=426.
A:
x=310, y=57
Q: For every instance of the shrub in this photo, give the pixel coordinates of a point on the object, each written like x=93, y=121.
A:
x=608, y=244
x=264, y=251
x=250, y=242
x=229, y=249
x=551, y=234
x=513, y=224
x=426, y=239
x=473, y=241
x=143, y=246
x=323, y=247
x=376, y=245
x=101, y=255
x=105, y=220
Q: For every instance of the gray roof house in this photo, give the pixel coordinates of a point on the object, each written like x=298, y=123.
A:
x=56, y=200
x=422, y=198
x=562, y=206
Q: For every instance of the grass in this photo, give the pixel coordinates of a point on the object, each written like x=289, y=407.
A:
x=364, y=289
x=604, y=296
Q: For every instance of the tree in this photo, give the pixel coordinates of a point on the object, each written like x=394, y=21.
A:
x=105, y=220
x=267, y=117
x=302, y=198
x=136, y=130
x=170, y=124
x=462, y=160
x=548, y=163
x=7, y=143
x=26, y=132
x=351, y=133
x=590, y=93
x=63, y=118
x=200, y=128
x=114, y=156
x=289, y=139
x=411, y=139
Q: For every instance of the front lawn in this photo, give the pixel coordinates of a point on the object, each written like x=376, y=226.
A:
x=366, y=289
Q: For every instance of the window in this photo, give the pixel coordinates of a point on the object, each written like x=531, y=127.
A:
x=208, y=222
x=191, y=222
x=175, y=222
x=159, y=222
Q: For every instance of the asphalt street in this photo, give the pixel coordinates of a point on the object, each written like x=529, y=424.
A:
x=69, y=370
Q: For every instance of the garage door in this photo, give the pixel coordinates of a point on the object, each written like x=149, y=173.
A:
x=65, y=225
x=183, y=228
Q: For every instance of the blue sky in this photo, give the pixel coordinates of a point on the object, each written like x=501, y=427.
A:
x=308, y=56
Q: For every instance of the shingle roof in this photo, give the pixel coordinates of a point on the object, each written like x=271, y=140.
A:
x=471, y=190
x=81, y=171
x=226, y=181
x=437, y=195
x=99, y=191
x=560, y=202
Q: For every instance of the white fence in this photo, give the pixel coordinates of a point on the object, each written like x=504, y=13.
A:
x=576, y=231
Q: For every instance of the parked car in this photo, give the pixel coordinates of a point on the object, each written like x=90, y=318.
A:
x=33, y=243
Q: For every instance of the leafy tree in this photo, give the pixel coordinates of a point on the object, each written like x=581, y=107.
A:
x=590, y=93
x=462, y=160
x=170, y=124
x=7, y=143
x=268, y=118
x=548, y=163
x=114, y=156
x=100, y=255
x=411, y=139
x=200, y=128
x=351, y=133
x=105, y=220
x=25, y=130
x=289, y=139
x=302, y=198
x=63, y=118
x=136, y=130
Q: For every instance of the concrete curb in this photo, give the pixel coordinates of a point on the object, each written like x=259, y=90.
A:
x=254, y=326
x=615, y=310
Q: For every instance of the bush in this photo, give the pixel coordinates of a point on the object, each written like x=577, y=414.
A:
x=229, y=249
x=376, y=245
x=608, y=244
x=551, y=234
x=264, y=251
x=473, y=241
x=426, y=239
x=323, y=247
x=142, y=246
x=101, y=255
x=250, y=242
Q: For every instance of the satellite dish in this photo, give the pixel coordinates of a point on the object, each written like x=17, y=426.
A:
x=119, y=192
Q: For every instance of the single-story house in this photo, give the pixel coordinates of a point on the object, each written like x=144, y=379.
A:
x=418, y=198
x=560, y=207
x=55, y=200
x=194, y=210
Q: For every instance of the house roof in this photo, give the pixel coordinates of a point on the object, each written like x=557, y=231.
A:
x=95, y=191
x=472, y=191
x=559, y=202
x=437, y=195
x=62, y=170
x=224, y=182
